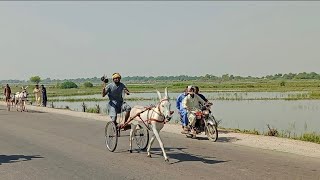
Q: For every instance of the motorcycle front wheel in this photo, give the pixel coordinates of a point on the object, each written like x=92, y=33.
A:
x=212, y=132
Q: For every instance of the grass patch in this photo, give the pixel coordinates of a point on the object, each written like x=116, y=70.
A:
x=245, y=131
x=310, y=137
x=96, y=109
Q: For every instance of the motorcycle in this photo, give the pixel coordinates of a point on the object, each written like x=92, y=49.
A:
x=205, y=122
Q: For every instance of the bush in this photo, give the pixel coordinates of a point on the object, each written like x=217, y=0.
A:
x=68, y=85
x=88, y=84
x=92, y=110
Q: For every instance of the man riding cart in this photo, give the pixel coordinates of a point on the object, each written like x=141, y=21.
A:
x=116, y=104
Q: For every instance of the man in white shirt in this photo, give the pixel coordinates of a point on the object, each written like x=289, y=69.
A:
x=37, y=95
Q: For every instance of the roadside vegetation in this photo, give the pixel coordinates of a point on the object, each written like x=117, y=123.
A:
x=309, y=137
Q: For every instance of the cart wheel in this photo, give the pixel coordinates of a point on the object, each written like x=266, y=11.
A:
x=111, y=135
x=141, y=136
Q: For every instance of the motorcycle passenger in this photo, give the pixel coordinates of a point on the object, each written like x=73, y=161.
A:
x=182, y=111
x=196, y=91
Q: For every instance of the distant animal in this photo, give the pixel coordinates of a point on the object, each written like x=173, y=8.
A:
x=272, y=131
x=21, y=99
x=13, y=100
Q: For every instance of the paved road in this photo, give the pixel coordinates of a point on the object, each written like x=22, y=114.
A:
x=38, y=145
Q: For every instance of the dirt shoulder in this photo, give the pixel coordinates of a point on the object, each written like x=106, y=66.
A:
x=257, y=141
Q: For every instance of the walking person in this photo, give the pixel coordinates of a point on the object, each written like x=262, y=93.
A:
x=44, y=96
x=37, y=95
x=7, y=95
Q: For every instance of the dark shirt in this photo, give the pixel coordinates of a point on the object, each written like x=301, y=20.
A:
x=7, y=91
x=115, y=91
x=202, y=97
x=44, y=93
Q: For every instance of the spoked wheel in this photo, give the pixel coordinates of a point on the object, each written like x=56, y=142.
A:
x=141, y=136
x=111, y=135
x=212, y=132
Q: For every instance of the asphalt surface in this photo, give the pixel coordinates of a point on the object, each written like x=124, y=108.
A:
x=37, y=145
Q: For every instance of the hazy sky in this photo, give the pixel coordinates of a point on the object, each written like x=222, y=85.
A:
x=87, y=39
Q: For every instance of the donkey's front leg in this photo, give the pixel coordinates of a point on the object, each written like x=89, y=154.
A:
x=24, y=106
x=150, y=144
x=156, y=133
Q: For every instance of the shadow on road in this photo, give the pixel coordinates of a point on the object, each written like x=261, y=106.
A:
x=220, y=139
x=16, y=158
x=182, y=156
x=15, y=110
x=34, y=111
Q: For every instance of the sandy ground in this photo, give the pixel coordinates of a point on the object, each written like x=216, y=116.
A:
x=257, y=141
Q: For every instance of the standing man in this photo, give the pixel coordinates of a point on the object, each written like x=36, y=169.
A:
x=114, y=91
x=7, y=95
x=37, y=94
x=44, y=96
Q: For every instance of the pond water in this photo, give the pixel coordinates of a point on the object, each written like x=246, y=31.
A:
x=297, y=116
x=208, y=95
x=290, y=116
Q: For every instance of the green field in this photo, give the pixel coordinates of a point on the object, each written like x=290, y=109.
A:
x=312, y=86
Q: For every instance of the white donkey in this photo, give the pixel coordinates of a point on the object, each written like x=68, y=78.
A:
x=154, y=118
x=21, y=98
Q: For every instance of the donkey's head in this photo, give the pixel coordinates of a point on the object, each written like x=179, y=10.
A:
x=24, y=93
x=165, y=105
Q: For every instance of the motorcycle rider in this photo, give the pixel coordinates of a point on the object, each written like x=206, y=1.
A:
x=192, y=104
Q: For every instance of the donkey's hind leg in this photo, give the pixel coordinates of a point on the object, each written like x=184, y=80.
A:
x=132, y=131
x=25, y=106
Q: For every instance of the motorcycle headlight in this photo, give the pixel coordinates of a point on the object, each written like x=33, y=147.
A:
x=206, y=112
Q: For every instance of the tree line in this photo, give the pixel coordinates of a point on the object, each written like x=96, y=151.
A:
x=150, y=79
